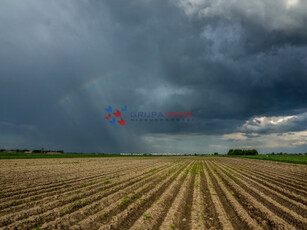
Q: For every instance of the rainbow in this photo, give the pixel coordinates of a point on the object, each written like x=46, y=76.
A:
x=67, y=97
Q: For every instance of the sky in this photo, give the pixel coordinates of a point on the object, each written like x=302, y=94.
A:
x=239, y=66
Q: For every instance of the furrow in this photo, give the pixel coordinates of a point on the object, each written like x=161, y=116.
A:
x=281, y=196
x=122, y=215
x=237, y=215
x=60, y=211
x=197, y=215
x=224, y=220
x=58, y=193
x=287, y=215
x=179, y=213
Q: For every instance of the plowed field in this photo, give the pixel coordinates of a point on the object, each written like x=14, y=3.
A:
x=152, y=193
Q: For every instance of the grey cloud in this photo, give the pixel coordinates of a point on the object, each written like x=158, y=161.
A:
x=276, y=124
x=281, y=15
x=63, y=63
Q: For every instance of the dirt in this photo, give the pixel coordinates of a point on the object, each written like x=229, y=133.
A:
x=152, y=193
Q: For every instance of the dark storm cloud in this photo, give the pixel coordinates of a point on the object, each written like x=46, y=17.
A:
x=63, y=63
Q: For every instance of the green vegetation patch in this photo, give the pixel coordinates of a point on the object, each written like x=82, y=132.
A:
x=298, y=159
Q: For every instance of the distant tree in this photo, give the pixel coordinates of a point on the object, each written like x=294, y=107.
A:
x=235, y=152
x=242, y=152
x=216, y=153
x=36, y=151
x=250, y=152
x=230, y=152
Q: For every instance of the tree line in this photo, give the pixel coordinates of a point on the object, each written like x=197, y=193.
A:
x=242, y=152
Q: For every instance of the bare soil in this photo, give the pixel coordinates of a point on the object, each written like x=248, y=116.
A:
x=152, y=193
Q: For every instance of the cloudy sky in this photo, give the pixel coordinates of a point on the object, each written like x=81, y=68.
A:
x=239, y=66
